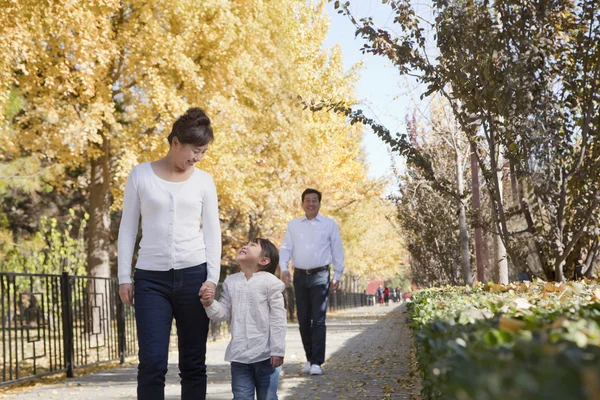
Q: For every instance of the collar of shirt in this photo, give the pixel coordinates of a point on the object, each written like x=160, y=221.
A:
x=319, y=218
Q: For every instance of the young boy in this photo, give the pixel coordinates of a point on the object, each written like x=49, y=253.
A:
x=253, y=300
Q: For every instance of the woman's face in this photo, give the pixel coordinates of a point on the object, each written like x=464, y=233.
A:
x=186, y=156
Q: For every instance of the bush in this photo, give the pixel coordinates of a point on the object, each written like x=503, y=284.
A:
x=50, y=251
x=527, y=341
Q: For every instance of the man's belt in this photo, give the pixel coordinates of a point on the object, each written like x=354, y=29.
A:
x=312, y=270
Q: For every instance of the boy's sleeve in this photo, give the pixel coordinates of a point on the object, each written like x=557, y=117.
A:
x=221, y=310
x=277, y=319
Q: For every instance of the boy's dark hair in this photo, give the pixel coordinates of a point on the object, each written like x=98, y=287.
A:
x=311, y=191
x=193, y=127
x=269, y=251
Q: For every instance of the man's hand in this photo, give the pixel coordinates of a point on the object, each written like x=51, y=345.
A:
x=126, y=293
x=276, y=361
x=334, y=285
x=286, y=277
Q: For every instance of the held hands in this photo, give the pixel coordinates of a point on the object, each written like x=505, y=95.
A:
x=126, y=293
x=207, y=293
x=276, y=361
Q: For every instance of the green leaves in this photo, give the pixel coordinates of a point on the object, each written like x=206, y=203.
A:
x=537, y=341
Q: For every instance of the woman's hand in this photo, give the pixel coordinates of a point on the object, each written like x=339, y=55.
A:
x=207, y=287
x=126, y=293
x=276, y=361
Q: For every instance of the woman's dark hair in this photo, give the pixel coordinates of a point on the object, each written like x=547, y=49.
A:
x=193, y=127
x=268, y=250
x=311, y=191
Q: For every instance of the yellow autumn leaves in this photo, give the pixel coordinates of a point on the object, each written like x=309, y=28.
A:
x=116, y=74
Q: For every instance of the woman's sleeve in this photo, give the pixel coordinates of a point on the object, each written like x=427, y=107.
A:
x=130, y=220
x=211, y=228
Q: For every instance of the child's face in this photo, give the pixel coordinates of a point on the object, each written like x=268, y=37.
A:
x=250, y=254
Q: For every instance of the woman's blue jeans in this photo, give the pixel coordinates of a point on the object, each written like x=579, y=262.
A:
x=160, y=296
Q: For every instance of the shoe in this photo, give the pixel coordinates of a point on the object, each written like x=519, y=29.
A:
x=306, y=369
x=316, y=370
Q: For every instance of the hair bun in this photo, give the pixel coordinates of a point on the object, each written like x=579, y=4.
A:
x=197, y=116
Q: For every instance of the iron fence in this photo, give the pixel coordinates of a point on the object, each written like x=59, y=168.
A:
x=58, y=323
x=340, y=300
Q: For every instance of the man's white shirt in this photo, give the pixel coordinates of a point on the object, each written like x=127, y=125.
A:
x=312, y=244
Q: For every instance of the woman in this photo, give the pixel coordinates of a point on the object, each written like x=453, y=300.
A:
x=380, y=295
x=179, y=256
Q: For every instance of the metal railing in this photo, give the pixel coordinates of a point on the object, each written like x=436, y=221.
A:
x=339, y=300
x=58, y=323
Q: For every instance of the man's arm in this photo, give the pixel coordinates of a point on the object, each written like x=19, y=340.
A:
x=285, y=254
x=337, y=251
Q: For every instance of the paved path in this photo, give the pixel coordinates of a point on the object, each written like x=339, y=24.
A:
x=367, y=358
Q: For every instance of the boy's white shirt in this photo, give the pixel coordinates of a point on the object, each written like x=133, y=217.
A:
x=258, y=317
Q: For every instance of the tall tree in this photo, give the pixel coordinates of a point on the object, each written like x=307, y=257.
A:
x=98, y=85
x=526, y=74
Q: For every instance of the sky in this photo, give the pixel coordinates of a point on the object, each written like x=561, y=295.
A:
x=384, y=95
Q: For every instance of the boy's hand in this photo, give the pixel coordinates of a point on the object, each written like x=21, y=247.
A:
x=207, y=300
x=276, y=361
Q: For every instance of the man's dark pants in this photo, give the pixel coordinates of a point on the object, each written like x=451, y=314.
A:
x=312, y=292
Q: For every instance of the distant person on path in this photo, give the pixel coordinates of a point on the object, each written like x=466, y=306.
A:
x=386, y=295
x=379, y=294
x=253, y=301
x=313, y=242
x=179, y=257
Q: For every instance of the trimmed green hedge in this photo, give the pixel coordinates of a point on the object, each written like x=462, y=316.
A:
x=526, y=341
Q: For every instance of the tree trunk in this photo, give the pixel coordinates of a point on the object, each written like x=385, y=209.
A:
x=462, y=224
x=514, y=185
x=253, y=226
x=591, y=258
x=99, y=210
x=501, y=258
x=98, y=264
x=479, y=250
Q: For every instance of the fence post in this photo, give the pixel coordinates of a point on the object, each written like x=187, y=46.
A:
x=121, y=328
x=67, y=322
